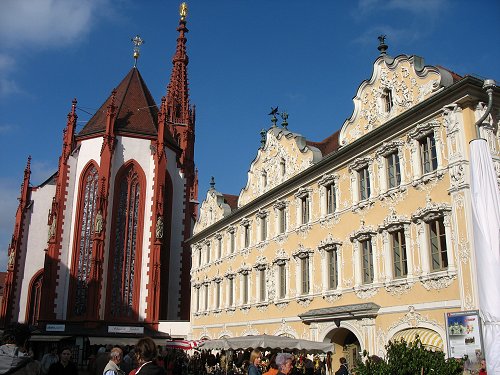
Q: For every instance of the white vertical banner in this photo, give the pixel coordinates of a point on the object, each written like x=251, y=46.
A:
x=486, y=223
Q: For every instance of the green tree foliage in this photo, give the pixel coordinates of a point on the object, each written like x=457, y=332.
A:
x=412, y=358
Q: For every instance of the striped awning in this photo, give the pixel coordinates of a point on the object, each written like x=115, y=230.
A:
x=182, y=344
x=429, y=338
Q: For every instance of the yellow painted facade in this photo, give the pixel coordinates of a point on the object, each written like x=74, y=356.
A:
x=358, y=245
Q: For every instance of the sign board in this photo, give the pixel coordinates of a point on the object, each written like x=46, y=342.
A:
x=464, y=336
x=126, y=329
x=55, y=327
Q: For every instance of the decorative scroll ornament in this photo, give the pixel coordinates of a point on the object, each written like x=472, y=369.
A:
x=438, y=282
x=365, y=293
x=413, y=319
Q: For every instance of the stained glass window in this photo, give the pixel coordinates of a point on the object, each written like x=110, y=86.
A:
x=35, y=298
x=86, y=227
x=125, y=245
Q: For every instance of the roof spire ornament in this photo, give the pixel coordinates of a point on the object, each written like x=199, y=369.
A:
x=138, y=41
x=382, y=47
x=284, y=117
x=183, y=11
x=212, y=183
x=273, y=113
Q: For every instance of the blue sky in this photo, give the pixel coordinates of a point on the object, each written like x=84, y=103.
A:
x=245, y=56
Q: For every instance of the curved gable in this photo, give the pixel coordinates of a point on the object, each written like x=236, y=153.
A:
x=395, y=86
x=213, y=209
x=284, y=155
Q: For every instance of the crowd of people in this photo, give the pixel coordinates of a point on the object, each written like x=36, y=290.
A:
x=146, y=358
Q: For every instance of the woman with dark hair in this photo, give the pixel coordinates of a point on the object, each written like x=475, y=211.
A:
x=145, y=354
x=64, y=366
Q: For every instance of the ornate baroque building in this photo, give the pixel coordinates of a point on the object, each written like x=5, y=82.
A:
x=361, y=238
x=99, y=247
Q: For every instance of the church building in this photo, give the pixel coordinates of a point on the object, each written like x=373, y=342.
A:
x=99, y=249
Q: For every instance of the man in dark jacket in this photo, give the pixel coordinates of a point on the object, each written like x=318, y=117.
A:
x=14, y=358
x=343, y=367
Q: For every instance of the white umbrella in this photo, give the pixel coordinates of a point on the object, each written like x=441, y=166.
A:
x=486, y=224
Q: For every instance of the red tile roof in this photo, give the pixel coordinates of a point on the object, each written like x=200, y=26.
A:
x=327, y=145
x=137, y=112
x=231, y=200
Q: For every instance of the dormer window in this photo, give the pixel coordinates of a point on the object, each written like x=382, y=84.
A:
x=387, y=100
x=264, y=179
x=283, y=167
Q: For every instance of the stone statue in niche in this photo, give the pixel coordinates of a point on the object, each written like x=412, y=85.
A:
x=98, y=223
x=52, y=228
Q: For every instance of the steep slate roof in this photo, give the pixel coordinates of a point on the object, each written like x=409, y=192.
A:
x=137, y=112
x=327, y=145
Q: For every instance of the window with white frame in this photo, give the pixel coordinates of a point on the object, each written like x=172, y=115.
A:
x=305, y=274
x=208, y=252
x=246, y=235
x=198, y=297
x=282, y=283
x=437, y=244
x=230, y=290
x=245, y=285
x=217, y=293
x=206, y=295
x=364, y=183
x=366, y=260
x=303, y=259
x=263, y=226
x=330, y=198
x=387, y=100
x=200, y=255
x=262, y=289
x=219, y=246
x=232, y=240
x=305, y=203
x=332, y=268
x=280, y=215
x=399, y=255
x=393, y=170
x=428, y=154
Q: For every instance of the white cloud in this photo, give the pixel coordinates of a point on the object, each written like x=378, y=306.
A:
x=46, y=23
x=6, y=128
x=41, y=171
x=413, y=6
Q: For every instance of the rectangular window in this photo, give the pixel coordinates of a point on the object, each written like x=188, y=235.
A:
x=230, y=297
x=208, y=253
x=217, y=295
x=364, y=183
x=206, y=297
x=428, y=155
x=263, y=228
x=232, y=242
x=282, y=280
x=199, y=257
x=305, y=275
x=282, y=220
x=219, y=247
x=330, y=199
x=244, y=282
x=399, y=258
x=367, y=264
x=332, y=270
x=247, y=235
x=393, y=170
x=262, y=280
x=304, y=202
x=197, y=299
x=437, y=237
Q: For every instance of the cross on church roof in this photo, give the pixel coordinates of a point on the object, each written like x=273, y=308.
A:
x=138, y=41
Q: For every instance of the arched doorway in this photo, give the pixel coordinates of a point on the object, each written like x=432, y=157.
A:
x=344, y=344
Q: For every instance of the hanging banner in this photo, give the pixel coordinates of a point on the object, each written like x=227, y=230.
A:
x=464, y=336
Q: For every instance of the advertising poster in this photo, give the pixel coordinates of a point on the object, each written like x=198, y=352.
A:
x=463, y=331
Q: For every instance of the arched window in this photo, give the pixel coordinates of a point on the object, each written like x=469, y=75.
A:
x=83, y=248
x=124, y=261
x=34, y=299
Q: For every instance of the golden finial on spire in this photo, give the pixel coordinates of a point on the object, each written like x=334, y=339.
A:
x=183, y=11
x=138, y=41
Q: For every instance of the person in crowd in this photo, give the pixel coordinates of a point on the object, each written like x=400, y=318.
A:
x=254, y=362
x=128, y=361
x=102, y=359
x=14, y=357
x=273, y=367
x=343, y=370
x=113, y=366
x=482, y=369
x=145, y=352
x=284, y=363
x=64, y=366
x=48, y=359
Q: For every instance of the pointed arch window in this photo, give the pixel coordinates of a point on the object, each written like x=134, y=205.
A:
x=87, y=216
x=126, y=245
x=34, y=299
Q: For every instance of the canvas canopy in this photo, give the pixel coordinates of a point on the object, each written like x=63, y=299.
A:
x=267, y=342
